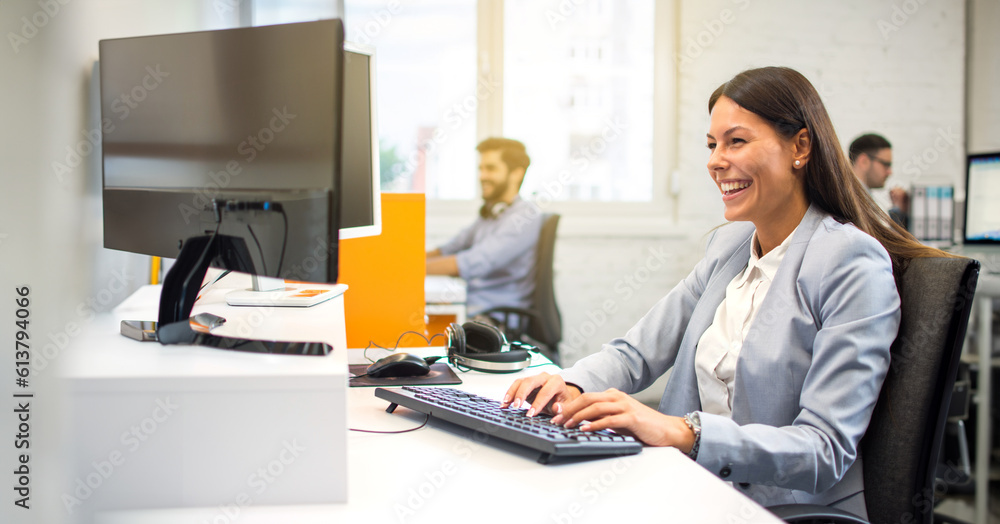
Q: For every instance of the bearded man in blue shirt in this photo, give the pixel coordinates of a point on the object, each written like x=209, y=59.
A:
x=496, y=253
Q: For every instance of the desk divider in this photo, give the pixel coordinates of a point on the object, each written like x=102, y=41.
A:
x=385, y=277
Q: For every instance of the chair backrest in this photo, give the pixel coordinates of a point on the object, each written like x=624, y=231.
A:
x=549, y=330
x=901, y=447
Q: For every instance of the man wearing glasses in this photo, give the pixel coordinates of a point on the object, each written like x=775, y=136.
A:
x=871, y=158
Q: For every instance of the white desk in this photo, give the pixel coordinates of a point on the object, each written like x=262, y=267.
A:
x=163, y=426
x=443, y=473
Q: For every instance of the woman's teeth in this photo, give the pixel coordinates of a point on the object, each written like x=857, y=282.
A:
x=729, y=187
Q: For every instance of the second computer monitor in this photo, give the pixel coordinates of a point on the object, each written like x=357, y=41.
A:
x=361, y=213
x=982, y=192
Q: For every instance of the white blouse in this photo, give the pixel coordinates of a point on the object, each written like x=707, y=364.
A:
x=720, y=345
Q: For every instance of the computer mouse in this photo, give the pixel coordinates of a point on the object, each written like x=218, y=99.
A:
x=399, y=365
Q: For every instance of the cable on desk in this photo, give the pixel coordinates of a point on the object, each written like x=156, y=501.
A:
x=398, y=340
x=427, y=418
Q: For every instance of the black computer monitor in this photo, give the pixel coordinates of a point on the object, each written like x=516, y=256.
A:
x=361, y=203
x=223, y=148
x=982, y=193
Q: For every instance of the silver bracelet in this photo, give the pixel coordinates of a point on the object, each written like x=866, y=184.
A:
x=693, y=421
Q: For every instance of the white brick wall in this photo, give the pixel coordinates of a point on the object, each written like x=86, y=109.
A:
x=906, y=82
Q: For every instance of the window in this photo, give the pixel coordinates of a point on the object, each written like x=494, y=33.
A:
x=577, y=89
x=266, y=12
x=426, y=74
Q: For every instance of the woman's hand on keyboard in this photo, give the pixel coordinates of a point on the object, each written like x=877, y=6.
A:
x=543, y=391
x=613, y=409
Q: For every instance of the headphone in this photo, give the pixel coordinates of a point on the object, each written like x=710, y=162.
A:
x=483, y=347
x=494, y=210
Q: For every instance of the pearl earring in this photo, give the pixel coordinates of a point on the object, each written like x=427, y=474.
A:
x=797, y=162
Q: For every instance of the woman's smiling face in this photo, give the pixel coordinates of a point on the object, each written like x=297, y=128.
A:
x=753, y=167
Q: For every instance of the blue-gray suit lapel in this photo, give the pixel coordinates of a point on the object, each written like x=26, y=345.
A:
x=681, y=395
x=764, y=353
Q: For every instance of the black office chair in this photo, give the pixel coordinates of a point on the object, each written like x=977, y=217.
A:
x=954, y=471
x=903, y=441
x=541, y=325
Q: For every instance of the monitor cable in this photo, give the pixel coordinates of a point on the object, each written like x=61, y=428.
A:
x=218, y=207
x=201, y=258
x=260, y=249
x=284, y=238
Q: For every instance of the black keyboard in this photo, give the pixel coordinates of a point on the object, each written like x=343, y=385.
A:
x=485, y=415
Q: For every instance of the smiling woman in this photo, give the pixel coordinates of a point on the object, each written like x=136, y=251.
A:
x=779, y=338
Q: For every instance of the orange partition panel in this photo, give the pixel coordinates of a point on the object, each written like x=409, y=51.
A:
x=385, y=276
x=436, y=325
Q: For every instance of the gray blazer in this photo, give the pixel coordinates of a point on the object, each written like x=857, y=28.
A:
x=807, y=377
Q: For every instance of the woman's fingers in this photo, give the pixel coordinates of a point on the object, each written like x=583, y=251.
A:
x=537, y=390
x=554, y=389
x=571, y=409
x=592, y=407
x=615, y=410
x=508, y=397
x=519, y=390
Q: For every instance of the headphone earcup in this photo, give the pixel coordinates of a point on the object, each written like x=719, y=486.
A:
x=456, y=339
x=481, y=338
x=483, y=347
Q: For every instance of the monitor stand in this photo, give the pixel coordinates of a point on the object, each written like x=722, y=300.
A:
x=183, y=282
x=180, y=291
x=267, y=291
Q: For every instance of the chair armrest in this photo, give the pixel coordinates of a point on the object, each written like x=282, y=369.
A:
x=511, y=331
x=814, y=513
x=519, y=332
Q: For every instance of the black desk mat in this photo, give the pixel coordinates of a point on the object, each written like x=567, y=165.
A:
x=440, y=374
